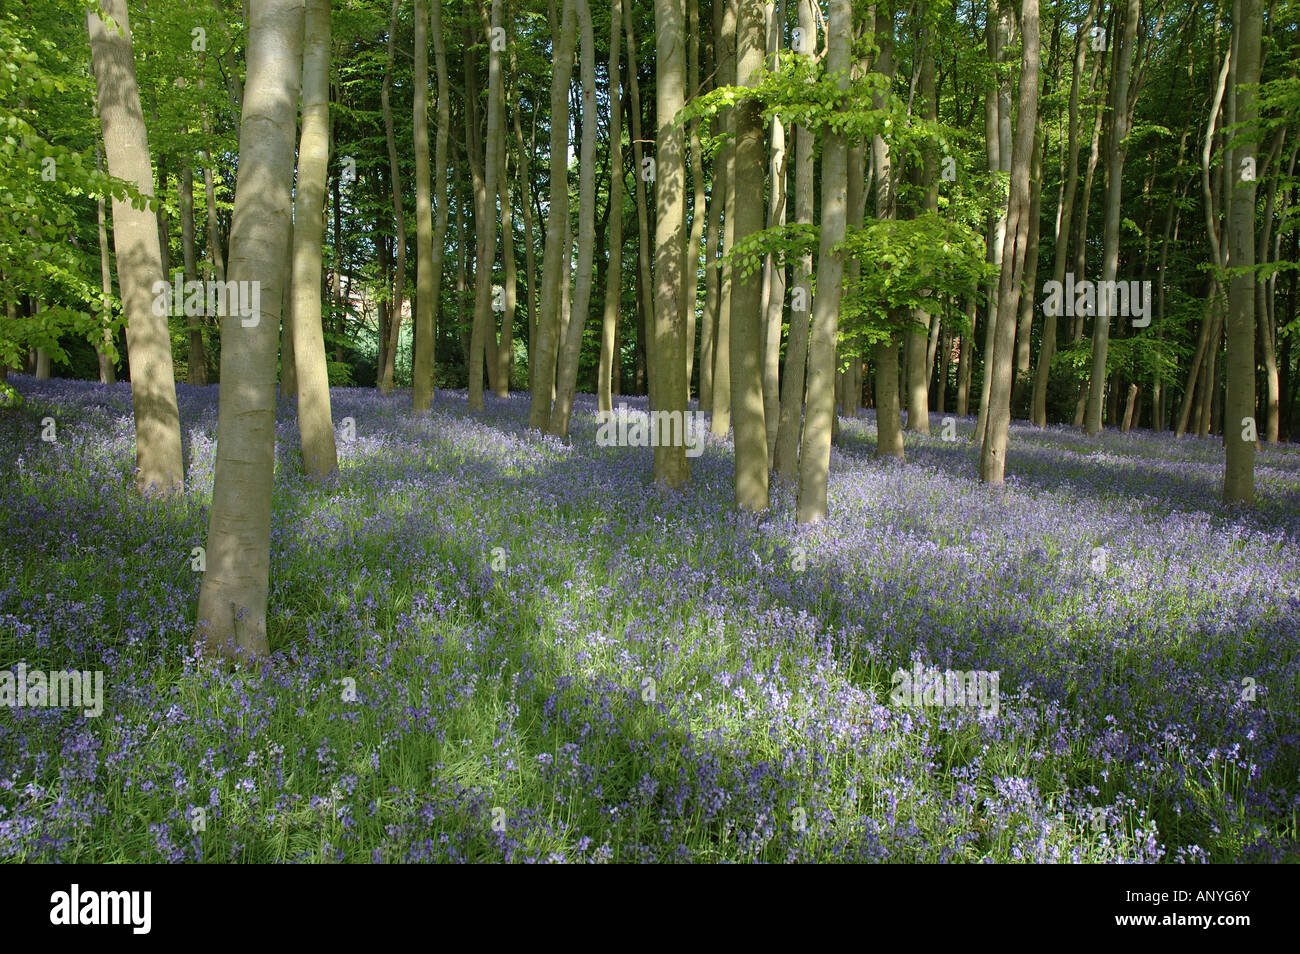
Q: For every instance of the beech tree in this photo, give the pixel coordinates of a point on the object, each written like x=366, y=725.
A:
x=232, y=597
x=315, y=422
x=747, y=315
x=139, y=260
x=815, y=447
x=670, y=468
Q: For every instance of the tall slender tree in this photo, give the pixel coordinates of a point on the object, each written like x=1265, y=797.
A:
x=1121, y=123
x=815, y=448
x=422, y=371
x=671, y=468
x=139, y=258
x=790, y=425
x=993, y=452
x=388, y=365
x=747, y=316
x=1240, y=427
x=555, y=260
x=486, y=199
x=614, y=274
x=571, y=346
x=233, y=595
x=315, y=422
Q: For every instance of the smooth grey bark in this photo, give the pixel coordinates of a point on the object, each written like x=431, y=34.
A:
x=889, y=430
x=139, y=258
x=614, y=274
x=566, y=378
x=916, y=340
x=422, y=370
x=725, y=18
x=107, y=372
x=645, y=281
x=232, y=597
x=997, y=135
x=1043, y=371
x=486, y=189
x=530, y=255
x=671, y=469
x=555, y=258
x=993, y=452
x=815, y=448
x=691, y=274
x=746, y=342
x=197, y=358
x=773, y=304
x=315, y=419
x=388, y=367
x=1121, y=122
x=1239, y=398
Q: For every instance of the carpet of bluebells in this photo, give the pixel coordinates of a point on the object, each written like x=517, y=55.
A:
x=490, y=645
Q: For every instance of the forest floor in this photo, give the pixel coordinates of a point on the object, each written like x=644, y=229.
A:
x=493, y=645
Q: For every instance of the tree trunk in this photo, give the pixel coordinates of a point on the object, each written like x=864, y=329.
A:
x=790, y=424
x=1042, y=375
x=232, y=598
x=747, y=360
x=993, y=453
x=509, y=270
x=530, y=254
x=555, y=260
x=725, y=26
x=916, y=340
x=485, y=198
x=571, y=350
x=1239, y=400
x=889, y=431
x=815, y=448
x=774, y=271
x=198, y=362
x=712, y=240
x=440, y=188
x=966, y=358
x=315, y=421
x=288, y=361
x=614, y=274
x=139, y=260
x=997, y=124
x=422, y=368
x=668, y=367
x=1121, y=119
x=691, y=275
x=645, y=281
x=107, y=371
x=387, y=369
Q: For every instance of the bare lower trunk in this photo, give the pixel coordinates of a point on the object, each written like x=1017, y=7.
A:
x=315, y=420
x=815, y=447
x=422, y=385
x=139, y=259
x=571, y=349
x=233, y=595
x=555, y=260
x=614, y=274
x=388, y=367
x=790, y=423
x=747, y=357
x=671, y=468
